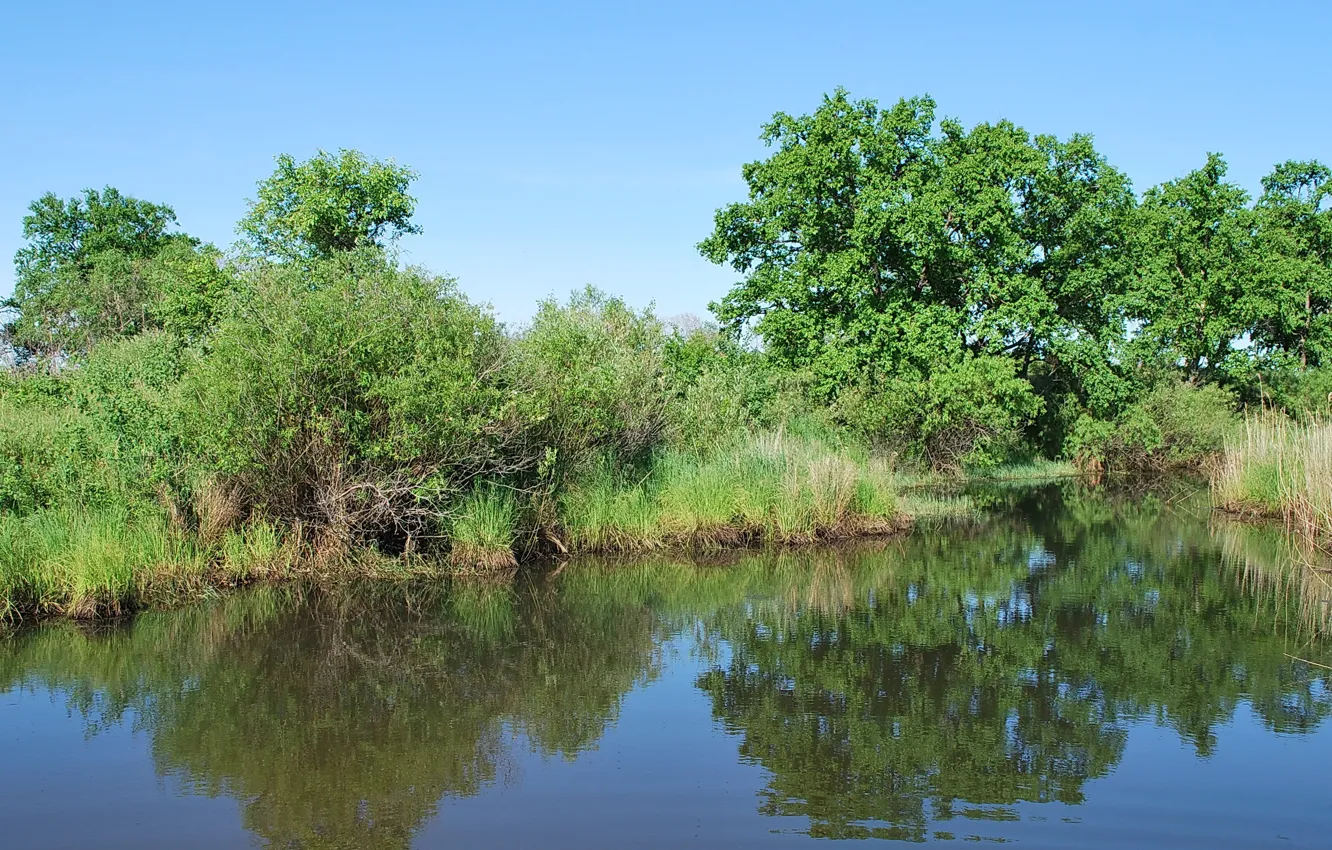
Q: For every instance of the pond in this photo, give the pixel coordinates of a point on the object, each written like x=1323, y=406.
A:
x=1073, y=670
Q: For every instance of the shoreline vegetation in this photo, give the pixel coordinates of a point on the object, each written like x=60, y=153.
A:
x=1276, y=469
x=917, y=303
x=761, y=492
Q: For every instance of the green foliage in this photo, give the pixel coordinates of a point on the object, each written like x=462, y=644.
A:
x=126, y=393
x=1302, y=393
x=875, y=247
x=1176, y=426
x=1194, y=252
x=352, y=397
x=881, y=247
x=104, y=266
x=1288, y=303
x=329, y=204
x=48, y=457
x=968, y=415
x=957, y=298
x=70, y=234
x=728, y=388
x=593, y=372
x=484, y=530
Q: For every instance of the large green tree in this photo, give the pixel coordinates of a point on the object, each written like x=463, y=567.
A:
x=1290, y=300
x=329, y=204
x=878, y=244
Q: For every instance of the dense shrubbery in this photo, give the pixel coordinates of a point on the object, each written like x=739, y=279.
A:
x=351, y=397
x=971, y=413
x=1176, y=426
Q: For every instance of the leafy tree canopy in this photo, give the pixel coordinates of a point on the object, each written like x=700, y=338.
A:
x=1194, y=249
x=328, y=204
x=879, y=240
x=1290, y=304
x=105, y=265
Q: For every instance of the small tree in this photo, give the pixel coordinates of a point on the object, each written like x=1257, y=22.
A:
x=329, y=204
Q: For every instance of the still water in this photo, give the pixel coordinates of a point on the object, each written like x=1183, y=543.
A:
x=1075, y=671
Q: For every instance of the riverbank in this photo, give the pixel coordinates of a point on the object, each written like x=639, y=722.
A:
x=770, y=490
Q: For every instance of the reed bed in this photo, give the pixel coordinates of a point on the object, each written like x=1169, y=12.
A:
x=1279, y=468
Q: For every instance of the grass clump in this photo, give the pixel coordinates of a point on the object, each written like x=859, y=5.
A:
x=485, y=530
x=747, y=489
x=608, y=510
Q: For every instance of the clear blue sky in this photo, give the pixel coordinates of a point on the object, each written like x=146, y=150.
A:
x=569, y=143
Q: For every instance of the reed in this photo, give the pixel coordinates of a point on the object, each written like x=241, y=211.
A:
x=1282, y=469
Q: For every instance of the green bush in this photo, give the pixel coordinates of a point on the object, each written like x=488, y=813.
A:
x=352, y=398
x=968, y=414
x=1305, y=394
x=593, y=371
x=125, y=390
x=49, y=451
x=1179, y=425
x=49, y=458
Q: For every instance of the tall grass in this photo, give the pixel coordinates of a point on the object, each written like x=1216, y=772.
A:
x=1280, y=468
x=86, y=563
x=485, y=530
x=767, y=487
x=108, y=561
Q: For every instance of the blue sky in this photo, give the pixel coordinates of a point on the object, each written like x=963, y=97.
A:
x=561, y=144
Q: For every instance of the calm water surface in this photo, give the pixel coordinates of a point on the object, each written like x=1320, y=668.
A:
x=1075, y=672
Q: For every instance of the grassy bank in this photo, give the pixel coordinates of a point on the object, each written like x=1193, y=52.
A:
x=771, y=488
x=748, y=490
x=1280, y=469
x=104, y=563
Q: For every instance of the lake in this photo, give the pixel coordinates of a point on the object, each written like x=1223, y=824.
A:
x=1075, y=670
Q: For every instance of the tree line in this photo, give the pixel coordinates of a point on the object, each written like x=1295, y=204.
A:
x=969, y=286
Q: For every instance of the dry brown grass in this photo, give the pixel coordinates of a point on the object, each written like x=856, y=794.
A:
x=1280, y=469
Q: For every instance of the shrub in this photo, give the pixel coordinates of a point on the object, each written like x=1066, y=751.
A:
x=49, y=454
x=125, y=390
x=593, y=371
x=1305, y=394
x=353, y=398
x=1177, y=426
x=968, y=414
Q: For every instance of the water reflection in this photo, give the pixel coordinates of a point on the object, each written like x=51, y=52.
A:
x=341, y=722
x=974, y=673
x=890, y=690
